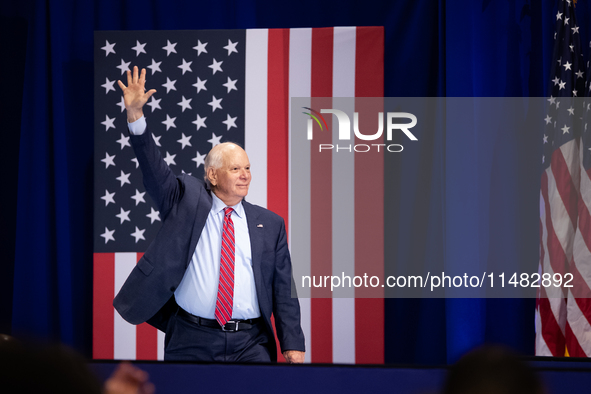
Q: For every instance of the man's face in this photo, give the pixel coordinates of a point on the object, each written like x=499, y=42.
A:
x=233, y=178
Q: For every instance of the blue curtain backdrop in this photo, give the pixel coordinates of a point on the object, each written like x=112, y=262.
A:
x=433, y=48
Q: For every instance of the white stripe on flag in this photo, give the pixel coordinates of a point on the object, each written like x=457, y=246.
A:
x=555, y=296
x=554, y=293
x=570, y=152
x=300, y=77
x=541, y=347
x=343, y=200
x=124, y=333
x=255, y=117
x=579, y=324
x=561, y=222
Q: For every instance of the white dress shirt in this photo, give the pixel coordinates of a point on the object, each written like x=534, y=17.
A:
x=197, y=292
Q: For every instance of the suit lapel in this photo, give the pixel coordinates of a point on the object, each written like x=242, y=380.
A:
x=256, y=243
x=203, y=209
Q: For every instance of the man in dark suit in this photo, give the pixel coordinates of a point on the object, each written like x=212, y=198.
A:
x=219, y=266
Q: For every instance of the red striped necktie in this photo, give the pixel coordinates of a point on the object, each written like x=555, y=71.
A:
x=223, y=305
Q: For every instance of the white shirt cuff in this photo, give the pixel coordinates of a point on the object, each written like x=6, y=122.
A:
x=138, y=127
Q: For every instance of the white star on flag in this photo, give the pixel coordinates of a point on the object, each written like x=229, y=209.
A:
x=108, y=48
x=124, y=66
x=169, y=159
x=215, y=140
x=169, y=48
x=200, y=122
x=215, y=103
x=108, y=197
x=185, y=141
x=123, y=215
x=231, y=47
x=154, y=103
x=108, y=235
x=199, y=159
x=138, y=197
x=108, y=122
x=123, y=178
x=185, y=66
x=169, y=122
x=137, y=164
x=138, y=234
x=108, y=86
x=565, y=129
x=216, y=66
x=124, y=141
x=230, y=122
x=153, y=215
x=567, y=65
x=200, y=85
x=108, y=160
x=185, y=104
x=231, y=84
x=155, y=66
x=139, y=48
x=200, y=48
x=121, y=104
x=156, y=139
x=169, y=85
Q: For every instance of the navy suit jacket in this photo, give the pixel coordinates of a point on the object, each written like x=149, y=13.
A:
x=184, y=204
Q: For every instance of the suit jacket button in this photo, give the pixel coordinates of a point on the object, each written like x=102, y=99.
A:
x=172, y=288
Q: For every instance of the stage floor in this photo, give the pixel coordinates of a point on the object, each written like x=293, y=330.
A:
x=559, y=376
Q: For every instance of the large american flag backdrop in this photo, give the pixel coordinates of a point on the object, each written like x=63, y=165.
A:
x=235, y=85
x=563, y=315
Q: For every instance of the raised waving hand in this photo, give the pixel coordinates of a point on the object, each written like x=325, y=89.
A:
x=134, y=94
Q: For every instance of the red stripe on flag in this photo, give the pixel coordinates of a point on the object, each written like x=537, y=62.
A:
x=321, y=198
x=146, y=338
x=103, y=313
x=369, y=199
x=572, y=344
x=369, y=62
x=278, y=131
x=551, y=331
x=278, y=123
x=555, y=251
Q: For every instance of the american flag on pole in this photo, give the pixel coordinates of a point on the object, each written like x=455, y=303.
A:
x=229, y=85
x=563, y=314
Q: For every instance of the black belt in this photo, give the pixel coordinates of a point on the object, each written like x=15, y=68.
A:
x=230, y=326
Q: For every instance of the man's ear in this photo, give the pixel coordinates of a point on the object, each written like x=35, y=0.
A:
x=212, y=176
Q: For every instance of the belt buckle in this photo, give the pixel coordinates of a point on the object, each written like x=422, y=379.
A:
x=236, y=323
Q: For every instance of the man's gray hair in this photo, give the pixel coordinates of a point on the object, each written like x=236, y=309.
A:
x=215, y=158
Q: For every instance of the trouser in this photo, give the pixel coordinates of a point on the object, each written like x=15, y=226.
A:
x=188, y=341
